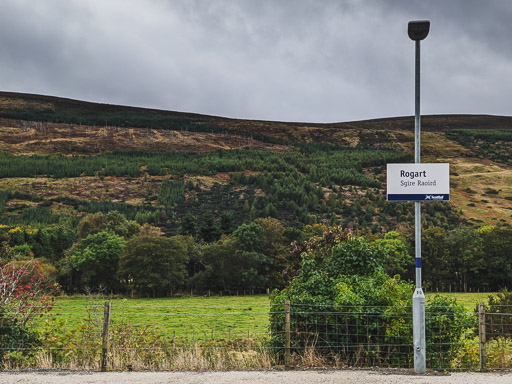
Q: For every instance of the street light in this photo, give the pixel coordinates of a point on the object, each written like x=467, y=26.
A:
x=417, y=31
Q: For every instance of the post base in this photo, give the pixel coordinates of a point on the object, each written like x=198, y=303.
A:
x=418, y=331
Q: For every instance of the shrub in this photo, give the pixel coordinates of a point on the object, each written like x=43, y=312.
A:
x=16, y=342
x=344, y=305
x=20, y=252
x=24, y=296
x=498, y=311
x=445, y=324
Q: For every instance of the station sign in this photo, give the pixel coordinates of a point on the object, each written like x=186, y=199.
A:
x=418, y=182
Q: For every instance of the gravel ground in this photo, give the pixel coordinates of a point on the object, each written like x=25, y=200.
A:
x=253, y=377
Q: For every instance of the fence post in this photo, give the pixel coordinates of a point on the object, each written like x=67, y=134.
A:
x=105, y=336
x=287, y=343
x=482, y=337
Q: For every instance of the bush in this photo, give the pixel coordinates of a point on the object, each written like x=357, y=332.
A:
x=23, y=297
x=341, y=299
x=344, y=305
x=16, y=341
x=20, y=252
x=445, y=324
x=498, y=311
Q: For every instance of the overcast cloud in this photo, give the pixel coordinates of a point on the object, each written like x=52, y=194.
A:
x=293, y=60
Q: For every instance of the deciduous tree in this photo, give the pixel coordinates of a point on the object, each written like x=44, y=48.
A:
x=95, y=259
x=155, y=265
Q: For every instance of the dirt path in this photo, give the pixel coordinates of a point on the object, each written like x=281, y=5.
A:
x=253, y=377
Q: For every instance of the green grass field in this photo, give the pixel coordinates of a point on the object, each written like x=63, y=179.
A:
x=468, y=300
x=192, y=318
x=186, y=318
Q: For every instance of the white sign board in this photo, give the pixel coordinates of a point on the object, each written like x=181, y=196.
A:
x=418, y=182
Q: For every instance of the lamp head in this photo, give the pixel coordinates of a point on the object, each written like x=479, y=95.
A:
x=418, y=30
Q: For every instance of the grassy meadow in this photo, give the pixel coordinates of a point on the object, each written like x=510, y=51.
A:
x=467, y=299
x=219, y=318
x=188, y=333
x=185, y=318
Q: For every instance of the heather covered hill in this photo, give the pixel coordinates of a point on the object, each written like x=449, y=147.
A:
x=204, y=153
x=56, y=115
x=245, y=189
x=478, y=148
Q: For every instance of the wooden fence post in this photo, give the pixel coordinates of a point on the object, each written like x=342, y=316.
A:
x=482, y=337
x=105, y=336
x=287, y=343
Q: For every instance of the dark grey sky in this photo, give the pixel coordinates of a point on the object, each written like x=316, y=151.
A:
x=293, y=60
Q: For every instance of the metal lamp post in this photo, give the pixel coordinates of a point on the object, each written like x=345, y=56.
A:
x=417, y=31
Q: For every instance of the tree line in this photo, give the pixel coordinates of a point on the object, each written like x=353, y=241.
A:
x=110, y=252
x=326, y=166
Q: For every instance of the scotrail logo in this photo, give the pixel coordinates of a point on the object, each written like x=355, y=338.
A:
x=434, y=197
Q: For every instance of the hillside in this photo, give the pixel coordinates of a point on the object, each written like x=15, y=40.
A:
x=43, y=125
x=225, y=198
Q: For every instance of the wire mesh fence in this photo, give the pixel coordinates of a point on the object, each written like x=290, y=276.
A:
x=496, y=337
x=255, y=336
x=374, y=336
